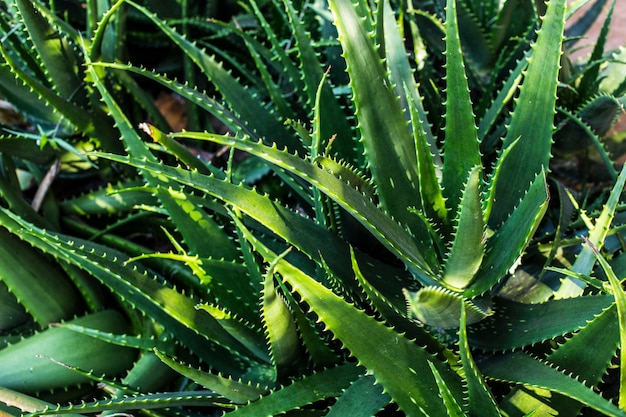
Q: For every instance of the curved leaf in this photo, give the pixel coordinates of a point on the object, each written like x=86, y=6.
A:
x=520, y=368
x=468, y=247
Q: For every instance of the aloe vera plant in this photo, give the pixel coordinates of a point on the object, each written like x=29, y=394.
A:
x=377, y=274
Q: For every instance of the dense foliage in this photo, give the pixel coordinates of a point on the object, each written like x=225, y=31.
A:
x=320, y=208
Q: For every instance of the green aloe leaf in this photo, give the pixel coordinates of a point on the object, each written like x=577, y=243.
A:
x=39, y=286
x=572, y=287
x=314, y=343
x=452, y=404
x=23, y=402
x=468, y=247
x=238, y=392
x=363, y=398
x=193, y=223
x=508, y=242
x=319, y=386
x=138, y=402
x=480, y=400
x=620, y=302
x=27, y=366
x=362, y=208
x=324, y=103
x=514, y=325
x=587, y=354
x=461, y=147
x=12, y=313
x=74, y=113
x=250, y=337
x=389, y=146
x=57, y=55
x=248, y=107
x=402, y=76
x=280, y=327
x=365, y=337
x=177, y=311
x=533, y=116
x=442, y=308
x=433, y=201
x=520, y=368
x=24, y=98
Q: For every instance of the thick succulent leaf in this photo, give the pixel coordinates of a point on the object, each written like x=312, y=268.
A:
x=75, y=114
x=139, y=402
x=520, y=368
x=439, y=307
x=280, y=327
x=328, y=383
x=315, y=345
x=600, y=113
x=476, y=40
x=366, y=338
x=278, y=54
x=362, y=334
x=201, y=333
x=181, y=152
x=509, y=241
x=12, y=313
x=385, y=229
x=193, y=95
x=505, y=95
x=276, y=51
x=23, y=403
x=238, y=392
x=39, y=286
x=57, y=55
x=403, y=79
x=587, y=355
x=376, y=300
x=514, y=19
x=532, y=117
x=389, y=146
x=300, y=232
x=136, y=342
x=433, y=201
x=247, y=106
x=480, y=400
x=461, y=146
x=363, y=398
x=348, y=174
x=468, y=247
x=250, y=337
x=620, y=302
x=148, y=374
x=24, y=98
x=514, y=325
x=451, y=402
x=572, y=287
x=113, y=199
x=192, y=222
x=326, y=106
x=27, y=366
